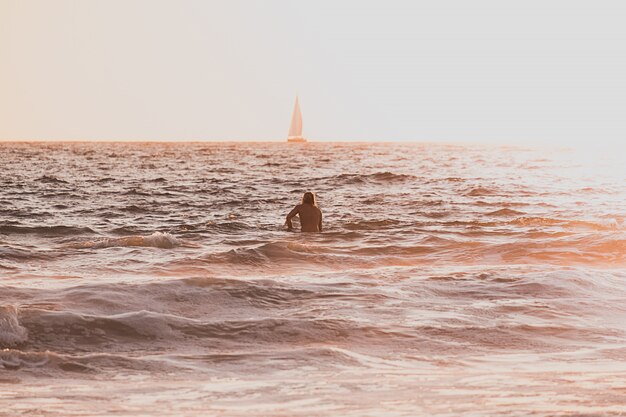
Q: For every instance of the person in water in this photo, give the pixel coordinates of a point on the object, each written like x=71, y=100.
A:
x=310, y=214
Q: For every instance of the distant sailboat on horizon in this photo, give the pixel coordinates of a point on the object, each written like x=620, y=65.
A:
x=295, y=130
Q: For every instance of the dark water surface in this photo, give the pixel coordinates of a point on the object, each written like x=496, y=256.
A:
x=156, y=279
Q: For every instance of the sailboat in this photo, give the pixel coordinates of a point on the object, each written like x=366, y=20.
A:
x=295, y=130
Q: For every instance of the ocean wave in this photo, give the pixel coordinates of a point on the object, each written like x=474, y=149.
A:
x=395, y=250
x=50, y=179
x=11, y=331
x=136, y=209
x=297, y=254
x=46, y=230
x=62, y=330
x=71, y=333
x=263, y=255
x=102, y=180
x=481, y=191
x=436, y=214
x=539, y=336
x=155, y=240
x=136, y=191
x=377, y=177
x=286, y=358
x=50, y=328
x=128, y=230
x=372, y=224
x=390, y=177
x=505, y=212
x=229, y=227
x=291, y=331
x=261, y=293
x=534, y=308
x=602, y=225
x=51, y=363
x=467, y=244
x=22, y=255
x=11, y=359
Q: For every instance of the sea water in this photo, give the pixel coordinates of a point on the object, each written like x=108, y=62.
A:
x=157, y=279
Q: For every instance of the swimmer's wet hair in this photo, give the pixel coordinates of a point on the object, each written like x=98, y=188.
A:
x=308, y=198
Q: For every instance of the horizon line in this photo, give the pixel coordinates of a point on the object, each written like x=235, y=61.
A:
x=514, y=144
x=425, y=141
x=443, y=142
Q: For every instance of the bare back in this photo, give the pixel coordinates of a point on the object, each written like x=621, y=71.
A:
x=310, y=217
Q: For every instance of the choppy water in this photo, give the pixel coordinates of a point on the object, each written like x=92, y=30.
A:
x=156, y=279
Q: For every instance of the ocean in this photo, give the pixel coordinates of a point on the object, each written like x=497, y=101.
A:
x=157, y=279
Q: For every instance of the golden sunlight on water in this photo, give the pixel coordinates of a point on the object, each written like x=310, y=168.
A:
x=145, y=279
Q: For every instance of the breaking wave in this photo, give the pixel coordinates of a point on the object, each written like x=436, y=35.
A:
x=155, y=240
x=11, y=331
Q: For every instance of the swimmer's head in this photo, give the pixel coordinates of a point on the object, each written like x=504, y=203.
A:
x=308, y=198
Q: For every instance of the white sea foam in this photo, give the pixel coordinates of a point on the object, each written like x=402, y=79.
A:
x=11, y=331
x=155, y=240
x=15, y=359
x=161, y=240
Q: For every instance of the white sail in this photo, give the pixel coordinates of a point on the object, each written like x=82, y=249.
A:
x=295, y=130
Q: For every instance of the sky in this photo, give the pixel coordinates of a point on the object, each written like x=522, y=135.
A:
x=395, y=70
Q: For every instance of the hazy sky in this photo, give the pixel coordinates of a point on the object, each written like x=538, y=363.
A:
x=499, y=71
